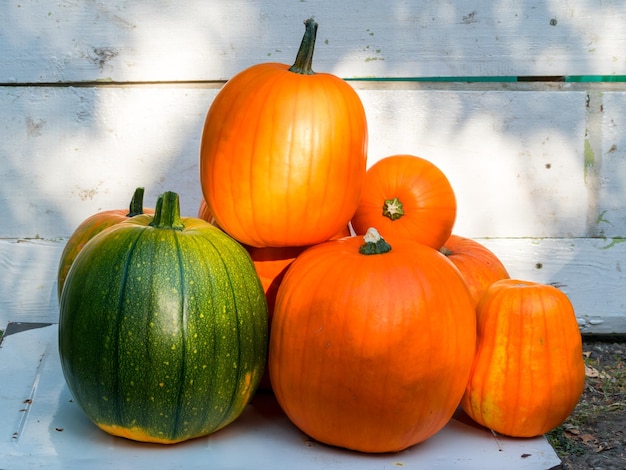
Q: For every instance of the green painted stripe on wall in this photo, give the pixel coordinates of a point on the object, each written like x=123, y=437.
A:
x=567, y=78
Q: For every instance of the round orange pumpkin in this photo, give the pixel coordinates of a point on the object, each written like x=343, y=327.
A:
x=92, y=226
x=479, y=265
x=371, y=347
x=529, y=372
x=409, y=196
x=283, y=153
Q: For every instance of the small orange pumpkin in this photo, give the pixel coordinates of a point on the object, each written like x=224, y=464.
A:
x=529, y=372
x=479, y=265
x=406, y=195
x=283, y=153
x=92, y=226
x=371, y=345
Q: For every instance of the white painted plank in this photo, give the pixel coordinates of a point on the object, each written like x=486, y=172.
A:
x=514, y=161
x=592, y=272
x=67, y=153
x=518, y=159
x=28, y=287
x=158, y=40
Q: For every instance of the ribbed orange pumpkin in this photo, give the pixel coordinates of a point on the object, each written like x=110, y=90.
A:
x=406, y=195
x=529, y=371
x=479, y=265
x=283, y=153
x=204, y=212
x=92, y=226
x=371, y=352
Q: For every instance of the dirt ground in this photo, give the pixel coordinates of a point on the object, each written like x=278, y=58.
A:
x=594, y=436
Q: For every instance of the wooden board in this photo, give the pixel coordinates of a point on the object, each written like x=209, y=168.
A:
x=159, y=40
x=523, y=162
x=97, y=98
x=592, y=272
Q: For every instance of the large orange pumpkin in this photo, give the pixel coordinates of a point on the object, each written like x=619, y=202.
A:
x=529, y=371
x=92, y=226
x=283, y=153
x=479, y=265
x=371, y=348
x=406, y=195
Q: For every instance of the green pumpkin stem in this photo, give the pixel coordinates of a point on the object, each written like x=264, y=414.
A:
x=392, y=209
x=136, y=203
x=444, y=250
x=304, y=60
x=167, y=212
x=374, y=243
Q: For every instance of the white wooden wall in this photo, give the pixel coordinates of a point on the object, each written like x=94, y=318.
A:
x=99, y=97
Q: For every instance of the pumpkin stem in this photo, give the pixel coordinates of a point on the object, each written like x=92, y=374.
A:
x=304, y=59
x=136, y=203
x=392, y=208
x=374, y=243
x=444, y=250
x=167, y=212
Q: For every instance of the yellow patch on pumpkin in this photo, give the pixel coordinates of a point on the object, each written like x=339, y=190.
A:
x=136, y=434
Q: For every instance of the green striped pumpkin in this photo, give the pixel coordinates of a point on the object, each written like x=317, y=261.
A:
x=163, y=327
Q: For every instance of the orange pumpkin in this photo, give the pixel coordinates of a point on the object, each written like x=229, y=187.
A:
x=283, y=153
x=271, y=264
x=529, y=372
x=371, y=347
x=479, y=265
x=204, y=213
x=92, y=226
x=406, y=195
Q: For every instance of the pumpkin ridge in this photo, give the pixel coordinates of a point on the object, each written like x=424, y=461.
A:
x=183, y=319
x=233, y=401
x=240, y=369
x=116, y=324
x=272, y=86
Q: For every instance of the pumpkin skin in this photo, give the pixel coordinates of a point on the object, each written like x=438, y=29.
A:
x=371, y=352
x=479, y=266
x=529, y=372
x=283, y=153
x=408, y=196
x=90, y=227
x=271, y=264
x=204, y=212
x=163, y=328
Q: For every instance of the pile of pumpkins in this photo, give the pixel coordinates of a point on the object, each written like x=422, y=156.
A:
x=340, y=289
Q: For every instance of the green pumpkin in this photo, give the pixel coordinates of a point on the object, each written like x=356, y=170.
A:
x=163, y=327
